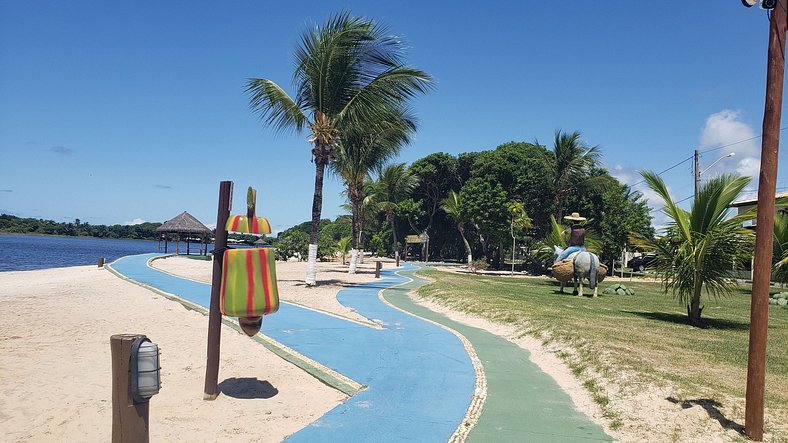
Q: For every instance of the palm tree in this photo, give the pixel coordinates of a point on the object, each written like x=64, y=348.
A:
x=701, y=246
x=395, y=183
x=367, y=146
x=343, y=245
x=452, y=206
x=780, y=247
x=571, y=167
x=347, y=70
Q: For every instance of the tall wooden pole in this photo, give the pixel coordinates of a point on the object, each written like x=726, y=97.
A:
x=215, y=315
x=759, y=310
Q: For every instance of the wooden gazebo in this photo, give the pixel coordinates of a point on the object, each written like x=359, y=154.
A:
x=185, y=227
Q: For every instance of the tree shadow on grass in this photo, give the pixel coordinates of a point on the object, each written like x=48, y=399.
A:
x=708, y=323
x=247, y=388
x=712, y=408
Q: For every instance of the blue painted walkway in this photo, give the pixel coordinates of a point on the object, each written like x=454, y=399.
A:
x=419, y=377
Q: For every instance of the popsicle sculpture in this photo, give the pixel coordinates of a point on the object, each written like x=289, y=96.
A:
x=248, y=285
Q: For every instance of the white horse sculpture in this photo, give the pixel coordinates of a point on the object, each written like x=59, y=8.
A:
x=586, y=266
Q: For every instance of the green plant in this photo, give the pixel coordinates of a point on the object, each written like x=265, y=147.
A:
x=343, y=246
x=347, y=71
x=702, y=245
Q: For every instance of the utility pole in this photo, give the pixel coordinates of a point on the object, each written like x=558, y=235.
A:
x=764, y=231
x=697, y=173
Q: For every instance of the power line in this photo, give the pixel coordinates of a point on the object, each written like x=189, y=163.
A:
x=736, y=143
x=687, y=198
x=705, y=151
x=666, y=170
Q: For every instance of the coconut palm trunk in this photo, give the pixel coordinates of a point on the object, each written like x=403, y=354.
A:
x=465, y=242
x=317, y=208
x=395, y=245
x=355, y=195
x=694, y=309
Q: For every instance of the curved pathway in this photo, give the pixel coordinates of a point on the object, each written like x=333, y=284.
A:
x=419, y=379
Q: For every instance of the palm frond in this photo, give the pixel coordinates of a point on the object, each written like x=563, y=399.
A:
x=274, y=106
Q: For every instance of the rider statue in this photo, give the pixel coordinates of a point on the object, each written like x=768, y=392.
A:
x=576, y=237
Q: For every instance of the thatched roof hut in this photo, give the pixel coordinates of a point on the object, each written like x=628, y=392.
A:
x=184, y=224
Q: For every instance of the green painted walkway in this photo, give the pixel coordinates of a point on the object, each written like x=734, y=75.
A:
x=523, y=403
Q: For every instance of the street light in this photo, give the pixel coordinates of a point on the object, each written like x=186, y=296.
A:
x=699, y=173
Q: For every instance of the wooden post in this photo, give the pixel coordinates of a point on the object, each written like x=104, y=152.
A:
x=215, y=316
x=396, y=257
x=764, y=231
x=129, y=419
x=101, y=262
x=378, y=265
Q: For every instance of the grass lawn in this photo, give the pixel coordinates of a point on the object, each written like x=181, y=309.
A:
x=645, y=335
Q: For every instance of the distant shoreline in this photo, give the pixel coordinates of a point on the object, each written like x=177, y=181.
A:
x=38, y=234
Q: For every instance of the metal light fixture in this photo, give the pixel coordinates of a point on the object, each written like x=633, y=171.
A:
x=764, y=4
x=145, y=369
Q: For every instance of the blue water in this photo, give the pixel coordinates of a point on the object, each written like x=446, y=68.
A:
x=26, y=252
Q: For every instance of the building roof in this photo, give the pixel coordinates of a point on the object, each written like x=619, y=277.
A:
x=754, y=200
x=186, y=223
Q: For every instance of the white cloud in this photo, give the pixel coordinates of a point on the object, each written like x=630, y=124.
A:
x=136, y=221
x=724, y=128
x=621, y=173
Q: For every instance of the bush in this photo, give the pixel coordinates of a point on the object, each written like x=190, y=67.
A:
x=478, y=265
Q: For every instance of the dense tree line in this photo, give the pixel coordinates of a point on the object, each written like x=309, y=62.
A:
x=466, y=205
x=77, y=228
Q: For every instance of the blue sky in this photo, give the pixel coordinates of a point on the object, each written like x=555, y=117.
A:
x=113, y=112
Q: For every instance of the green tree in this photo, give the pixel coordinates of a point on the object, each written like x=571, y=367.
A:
x=437, y=175
x=485, y=207
x=571, y=167
x=523, y=170
x=347, y=71
x=395, y=183
x=702, y=245
x=518, y=224
x=291, y=244
x=452, y=205
x=367, y=146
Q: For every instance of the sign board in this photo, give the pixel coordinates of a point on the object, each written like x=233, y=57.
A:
x=412, y=239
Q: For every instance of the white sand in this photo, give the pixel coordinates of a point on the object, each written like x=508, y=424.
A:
x=55, y=363
x=55, y=366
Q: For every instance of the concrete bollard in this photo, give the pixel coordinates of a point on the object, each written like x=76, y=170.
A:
x=101, y=262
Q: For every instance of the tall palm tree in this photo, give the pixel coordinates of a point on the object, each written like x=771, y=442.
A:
x=367, y=146
x=347, y=70
x=701, y=246
x=452, y=206
x=395, y=183
x=571, y=167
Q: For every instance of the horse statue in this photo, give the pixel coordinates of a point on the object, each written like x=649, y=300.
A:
x=584, y=265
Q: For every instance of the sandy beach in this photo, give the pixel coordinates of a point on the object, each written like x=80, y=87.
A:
x=55, y=361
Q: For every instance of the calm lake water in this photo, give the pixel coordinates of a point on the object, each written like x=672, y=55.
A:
x=26, y=252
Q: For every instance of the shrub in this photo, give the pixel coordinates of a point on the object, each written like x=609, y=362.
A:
x=478, y=265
